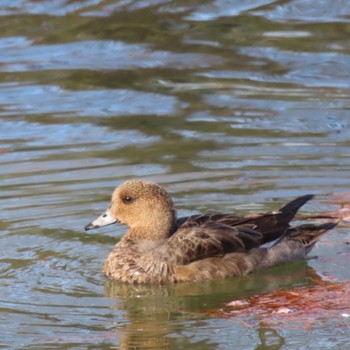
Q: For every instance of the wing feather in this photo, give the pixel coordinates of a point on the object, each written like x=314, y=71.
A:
x=191, y=243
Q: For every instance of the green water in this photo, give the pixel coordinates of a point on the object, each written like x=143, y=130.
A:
x=231, y=105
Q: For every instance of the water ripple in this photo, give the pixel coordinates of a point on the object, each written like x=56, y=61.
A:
x=51, y=99
x=94, y=55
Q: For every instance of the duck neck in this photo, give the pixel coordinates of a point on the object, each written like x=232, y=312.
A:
x=157, y=229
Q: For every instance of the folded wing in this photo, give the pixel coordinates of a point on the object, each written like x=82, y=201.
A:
x=210, y=239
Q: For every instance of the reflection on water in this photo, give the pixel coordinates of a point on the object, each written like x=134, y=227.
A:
x=231, y=106
x=156, y=313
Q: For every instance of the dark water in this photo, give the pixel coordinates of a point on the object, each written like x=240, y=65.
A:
x=231, y=105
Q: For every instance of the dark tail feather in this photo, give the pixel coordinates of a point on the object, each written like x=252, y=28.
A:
x=275, y=226
x=293, y=206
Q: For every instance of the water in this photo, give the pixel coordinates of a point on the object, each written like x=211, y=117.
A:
x=232, y=106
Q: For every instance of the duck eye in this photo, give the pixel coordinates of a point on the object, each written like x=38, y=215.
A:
x=127, y=199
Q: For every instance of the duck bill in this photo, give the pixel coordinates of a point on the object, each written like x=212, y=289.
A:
x=104, y=219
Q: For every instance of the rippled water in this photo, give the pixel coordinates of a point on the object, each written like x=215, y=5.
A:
x=231, y=105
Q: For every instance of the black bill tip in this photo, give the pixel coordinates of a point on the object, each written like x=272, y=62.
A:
x=90, y=226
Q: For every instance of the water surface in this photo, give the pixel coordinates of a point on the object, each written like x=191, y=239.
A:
x=231, y=106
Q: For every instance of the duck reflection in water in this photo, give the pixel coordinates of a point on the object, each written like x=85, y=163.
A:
x=167, y=316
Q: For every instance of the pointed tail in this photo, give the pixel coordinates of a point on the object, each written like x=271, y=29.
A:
x=274, y=226
x=293, y=206
x=295, y=244
x=305, y=236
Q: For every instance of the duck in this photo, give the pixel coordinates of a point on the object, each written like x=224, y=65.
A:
x=160, y=248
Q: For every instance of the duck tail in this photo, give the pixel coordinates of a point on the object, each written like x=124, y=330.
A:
x=305, y=235
x=274, y=227
x=292, y=207
x=295, y=244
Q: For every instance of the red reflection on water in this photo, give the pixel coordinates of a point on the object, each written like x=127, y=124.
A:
x=298, y=307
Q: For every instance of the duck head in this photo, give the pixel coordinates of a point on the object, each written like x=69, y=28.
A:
x=143, y=206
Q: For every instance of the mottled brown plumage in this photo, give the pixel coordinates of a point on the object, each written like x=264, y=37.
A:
x=159, y=248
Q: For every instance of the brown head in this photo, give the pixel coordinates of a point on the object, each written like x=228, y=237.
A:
x=143, y=206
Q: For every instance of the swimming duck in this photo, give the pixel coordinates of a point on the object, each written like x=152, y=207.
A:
x=161, y=248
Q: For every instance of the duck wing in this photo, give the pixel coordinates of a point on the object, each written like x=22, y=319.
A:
x=271, y=225
x=210, y=239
